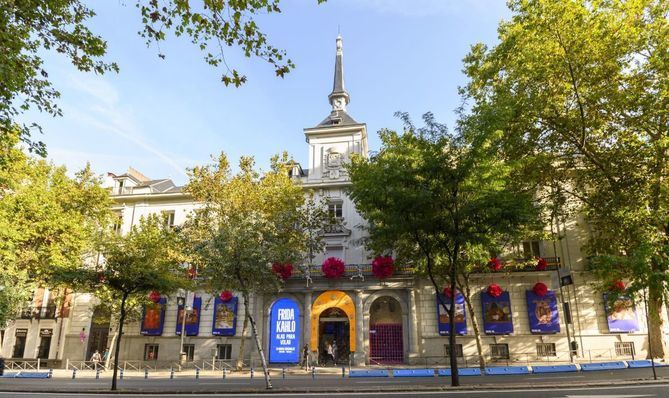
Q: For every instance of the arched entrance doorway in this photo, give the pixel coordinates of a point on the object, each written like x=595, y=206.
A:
x=386, y=342
x=99, y=333
x=333, y=321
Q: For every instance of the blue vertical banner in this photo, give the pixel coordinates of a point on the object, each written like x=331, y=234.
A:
x=153, y=318
x=622, y=317
x=284, y=335
x=192, y=318
x=460, y=314
x=542, y=312
x=497, y=315
x=225, y=317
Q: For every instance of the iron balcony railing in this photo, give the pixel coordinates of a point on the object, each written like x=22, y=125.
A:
x=43, y=312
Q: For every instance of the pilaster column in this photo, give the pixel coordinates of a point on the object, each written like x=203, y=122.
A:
x=306, y=335
x=359, y=358
x=413, y=319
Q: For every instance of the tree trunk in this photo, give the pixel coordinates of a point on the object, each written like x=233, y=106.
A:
x=655, y=334
x=117, y=349
x=475, y=324
x=254, y=330
x=455, y=376
x=242, y=343
x=111, y=346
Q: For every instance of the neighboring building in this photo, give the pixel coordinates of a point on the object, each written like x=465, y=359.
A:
x=378, y=322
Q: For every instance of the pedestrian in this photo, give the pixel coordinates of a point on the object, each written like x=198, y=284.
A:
x=105, y=357
x=334, y=352
x=96, y=358
x=305, y=356
x=330, y=352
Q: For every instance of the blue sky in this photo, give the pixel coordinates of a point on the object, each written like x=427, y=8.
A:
x=162, y=116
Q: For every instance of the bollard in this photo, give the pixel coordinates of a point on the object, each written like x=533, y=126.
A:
x=97, y=374
x=225, y=371
x=171, y=372
x=120, y=375
x=146, y=373
x=74, y=373
x=251, y=372
x=343, y=372
x=283, y=373
x=313, y=372
x=197, y=373
x=50, y=373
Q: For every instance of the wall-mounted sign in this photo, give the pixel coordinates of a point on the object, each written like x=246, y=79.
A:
x=225, y=317
x=21, y=332
x=622, y=316
x=46, y=332
x=497, y=315
x=192, y=317
x=284, y=337
x=460, y=314
x=153, y=318
x=542, y=312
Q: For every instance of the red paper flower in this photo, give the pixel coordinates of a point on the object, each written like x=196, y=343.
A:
x=540, y=289
x=495, y=264
x=494, y=290
x=617, y=286
x=154, y=296
x=542, y=264
x=226, y=296
x=448, y=292
x=191, y=272
x=383, y=266
x=333, y=268
x=283, y=271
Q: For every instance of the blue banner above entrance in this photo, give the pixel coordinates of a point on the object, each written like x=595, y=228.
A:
x=284, y=338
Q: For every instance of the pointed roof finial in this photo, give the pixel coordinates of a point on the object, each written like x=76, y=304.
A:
x=339, y=96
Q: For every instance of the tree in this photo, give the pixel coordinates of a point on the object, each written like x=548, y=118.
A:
x=48, y=221
x=438, y=201
x=147, y=259
x=27, y=29
x=579, y=89
x=247, y=221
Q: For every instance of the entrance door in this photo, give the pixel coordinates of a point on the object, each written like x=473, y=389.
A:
x=333, y=338
x=386, y=340
x=44, y=347
x=99, y=334
x=19, y=343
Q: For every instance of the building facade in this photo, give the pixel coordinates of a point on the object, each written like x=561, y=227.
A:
x=370, y=321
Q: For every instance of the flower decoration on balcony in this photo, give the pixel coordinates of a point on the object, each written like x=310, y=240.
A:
x=542, y=264
x=448, y=292
x=617, y=286
x=226, y=296
x=283, y=271
x=540, y=289
x=154, y=296
x=383, y=266
x=101, y=277
x=495, y=264
x=494, y=290
x=191, y=272
x=333, y=268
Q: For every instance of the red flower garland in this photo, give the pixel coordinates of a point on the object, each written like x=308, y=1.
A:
x=101, y=277
x=617, y=286
x=283, y=271
x=226, y=296
x=495, y=264
x=191, y=272
x=448, y=292
x=154, y=296
x=542, y=264
x=540, y=289
x=383, y=266
x=333, y=267
x=494, y=290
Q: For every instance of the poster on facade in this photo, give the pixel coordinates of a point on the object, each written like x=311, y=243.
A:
x=496, y=313
x=542, y=312
x=460, y=314
x=153, y=318
x=622, y=316
x=225, y=317
x=192, y=325
x=284, y=337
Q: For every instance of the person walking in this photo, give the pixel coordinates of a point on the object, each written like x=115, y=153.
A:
x=330, y=352
x=105, y=357
x=305, y=356
x=334, y=352
x=96, y=358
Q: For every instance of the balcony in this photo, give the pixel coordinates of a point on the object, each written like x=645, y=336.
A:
x=43, y=312
x=337, y=228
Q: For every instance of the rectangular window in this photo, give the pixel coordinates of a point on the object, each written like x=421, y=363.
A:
x=20, y=343
x=169, y=218
x=499, y=351
x=150, y=352
x=335, y=210
x=546, y=350
x=224, y=351
x=118, y=223
x=625, y=349
x=458, y=351
x=531, y=249
x=189, y=350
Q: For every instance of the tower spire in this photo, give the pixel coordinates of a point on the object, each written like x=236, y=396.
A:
x=339, y=96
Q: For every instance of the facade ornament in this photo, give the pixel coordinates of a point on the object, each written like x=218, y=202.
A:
x=358, y=273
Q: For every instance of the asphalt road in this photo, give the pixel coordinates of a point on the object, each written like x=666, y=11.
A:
x=646, y=391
